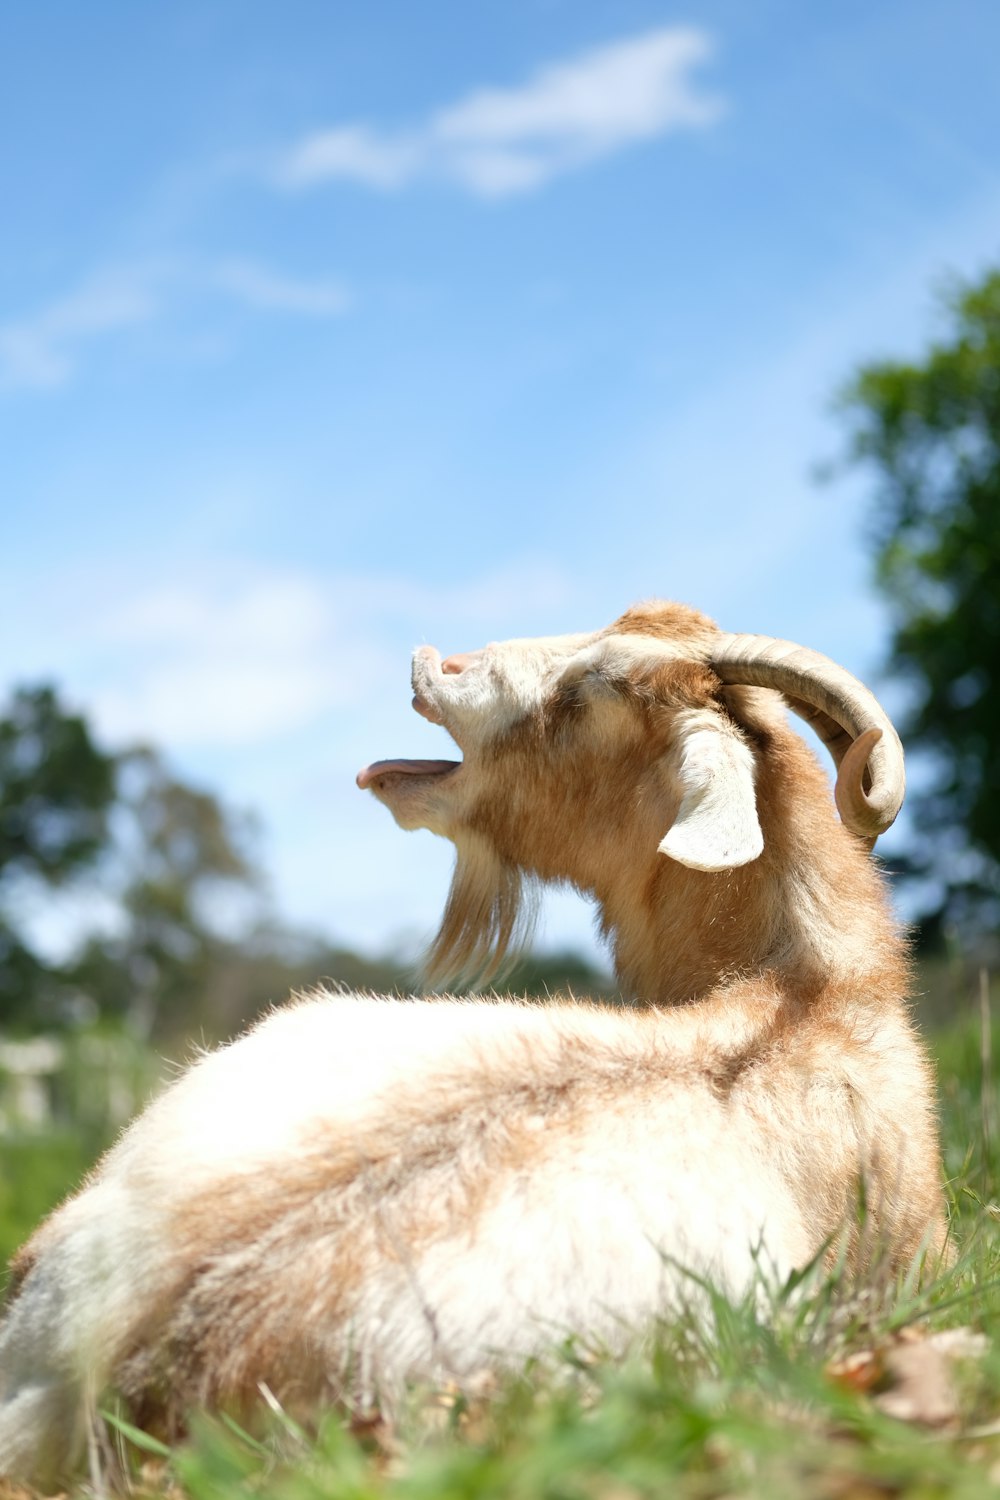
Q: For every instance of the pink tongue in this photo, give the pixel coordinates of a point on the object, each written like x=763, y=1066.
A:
x=406, y=767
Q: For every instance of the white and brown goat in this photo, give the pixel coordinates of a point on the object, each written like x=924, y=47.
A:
x=365, y=1191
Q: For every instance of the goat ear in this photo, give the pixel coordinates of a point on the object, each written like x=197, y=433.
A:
x=716, y=827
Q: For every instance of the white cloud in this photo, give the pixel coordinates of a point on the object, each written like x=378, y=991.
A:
x=351, y=151
x=496, y=142
x=264, y=289
x=41, y=351
x=628, y=91
x=198, y=656
x=235, y=657
x=274, y=685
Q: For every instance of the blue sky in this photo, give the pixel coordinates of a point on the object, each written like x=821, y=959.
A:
x=326, y=330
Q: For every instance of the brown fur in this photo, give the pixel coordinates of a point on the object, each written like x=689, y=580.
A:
x=488, y=917
x=803, y=934
x=563, y=801
x=19, y=1267
x=775, y=989
x=273, y=1267
x=665, y=621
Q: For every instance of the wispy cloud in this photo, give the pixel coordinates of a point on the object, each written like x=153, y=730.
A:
x=233, y=653
x=267, y=290
x=500, y=141
x=244, y=654
x=234, y=657
x=41, y=351
x=44, y=350
x=350, y=151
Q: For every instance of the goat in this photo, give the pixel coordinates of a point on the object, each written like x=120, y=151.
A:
x=362, y=1191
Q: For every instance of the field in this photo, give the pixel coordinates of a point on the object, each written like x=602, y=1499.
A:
x=831, y=1390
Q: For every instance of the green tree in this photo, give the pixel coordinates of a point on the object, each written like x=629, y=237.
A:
x=169, y=861
x=56, y=792
x=181, y=939
x=184, y=881
x=277, y=960
x=930, y=432
x=56, y=788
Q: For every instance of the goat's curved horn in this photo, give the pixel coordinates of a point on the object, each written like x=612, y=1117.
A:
x=847, y=717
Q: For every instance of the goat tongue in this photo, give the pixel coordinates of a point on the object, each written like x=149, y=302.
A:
x=404, y=767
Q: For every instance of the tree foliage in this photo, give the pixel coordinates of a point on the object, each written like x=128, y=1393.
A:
x=179, y=937
x=179, y=866
x=162, y=857
x=930, y=431
x=56, y=793
x=56, y=788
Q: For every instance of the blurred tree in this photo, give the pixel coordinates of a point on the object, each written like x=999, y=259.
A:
x=180, y=939
x=56, y=788
x=56, y=792
x=931, y=432
x=276, y=961
x=185, y=882
x=169, y=860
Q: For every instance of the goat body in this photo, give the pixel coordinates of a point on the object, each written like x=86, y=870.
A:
x=364, y=1191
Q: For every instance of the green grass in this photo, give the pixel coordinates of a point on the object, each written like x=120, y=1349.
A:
x=105, y=1078
x=37, y=1169
x=770, y=1402
x=747, y=1406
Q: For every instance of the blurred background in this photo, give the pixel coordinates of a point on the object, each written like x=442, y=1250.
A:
x=327, y=330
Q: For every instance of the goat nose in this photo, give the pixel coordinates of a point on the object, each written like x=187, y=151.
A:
x=455, y=664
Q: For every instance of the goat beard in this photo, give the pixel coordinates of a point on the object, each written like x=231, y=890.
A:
x=488, y=918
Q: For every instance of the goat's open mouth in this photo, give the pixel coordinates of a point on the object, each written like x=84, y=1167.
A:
x=424, y=770
x=379, y=770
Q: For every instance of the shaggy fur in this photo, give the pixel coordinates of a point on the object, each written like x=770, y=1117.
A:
x=361, y=1191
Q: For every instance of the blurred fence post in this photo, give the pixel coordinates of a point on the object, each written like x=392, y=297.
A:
x=26, y=1072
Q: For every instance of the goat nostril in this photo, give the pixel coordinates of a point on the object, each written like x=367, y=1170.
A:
x=452, y=665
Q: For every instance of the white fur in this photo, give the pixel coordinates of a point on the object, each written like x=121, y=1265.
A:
x=716, y=827
x=505, y=681
x=582, y=1166
x=340, y=1066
